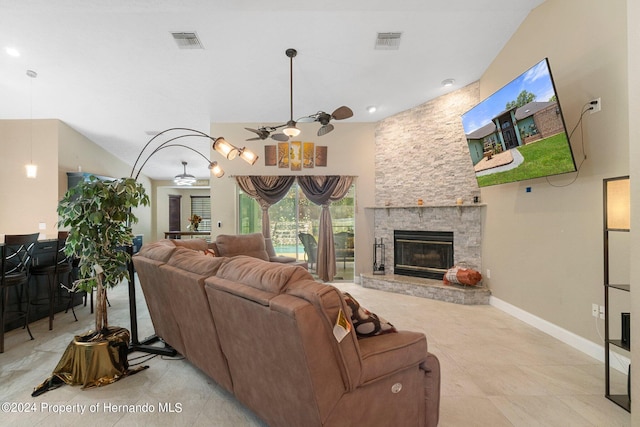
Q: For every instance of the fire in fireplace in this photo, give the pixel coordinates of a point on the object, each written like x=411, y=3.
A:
x=422, y=253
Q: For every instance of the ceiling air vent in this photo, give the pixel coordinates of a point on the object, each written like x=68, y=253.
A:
x=186, y=40
x=388, y=41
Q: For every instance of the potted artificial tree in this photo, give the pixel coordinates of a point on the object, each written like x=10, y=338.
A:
x=98, y=215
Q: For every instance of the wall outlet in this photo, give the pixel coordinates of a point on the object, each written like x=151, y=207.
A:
x=594, y=310
x=596, y=105
x=602, y=311
x=42, y=226
x=488, y=274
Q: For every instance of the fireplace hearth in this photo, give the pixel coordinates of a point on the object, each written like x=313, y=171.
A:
x=420, y=253
x=464, y=221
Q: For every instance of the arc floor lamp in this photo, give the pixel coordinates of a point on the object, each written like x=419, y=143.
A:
x=220, y=145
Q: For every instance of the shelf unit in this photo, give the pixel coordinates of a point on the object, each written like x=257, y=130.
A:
x=616, y=219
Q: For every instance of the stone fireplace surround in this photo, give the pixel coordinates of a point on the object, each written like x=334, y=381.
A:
x=465, y=221
x=422, y=153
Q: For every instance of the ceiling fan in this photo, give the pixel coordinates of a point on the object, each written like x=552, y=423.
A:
x=290, y=130
x=267, y=132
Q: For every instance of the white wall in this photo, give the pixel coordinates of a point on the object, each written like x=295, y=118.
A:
x=161, y=194
x=75, y=150
x=25, y=202
x=544, y=248
x=633, y=37
x=350, y=152
x=57, y=149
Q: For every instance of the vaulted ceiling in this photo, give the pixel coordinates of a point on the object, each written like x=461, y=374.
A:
x=113, y=71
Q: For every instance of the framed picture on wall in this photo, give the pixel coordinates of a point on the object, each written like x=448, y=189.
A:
x=295, y=155
x=321, y=156
x=270, y=155
x=308, y=155
x=283, y=154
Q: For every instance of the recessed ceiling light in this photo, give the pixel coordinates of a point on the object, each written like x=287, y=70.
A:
x=372, y=109
x=12, y=51
x=448, y=82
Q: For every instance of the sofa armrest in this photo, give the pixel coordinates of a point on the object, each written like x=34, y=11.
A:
x=431, y=366
x=384, y=355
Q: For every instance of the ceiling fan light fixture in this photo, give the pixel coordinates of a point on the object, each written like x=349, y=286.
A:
x=291, y=130
x=248, y=155
x=225, y=148
x=184, y=178
x=216, y=170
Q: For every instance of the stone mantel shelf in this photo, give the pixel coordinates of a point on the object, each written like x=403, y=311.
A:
x=468, y=205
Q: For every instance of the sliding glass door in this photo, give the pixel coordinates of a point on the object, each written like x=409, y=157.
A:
x=294, y=225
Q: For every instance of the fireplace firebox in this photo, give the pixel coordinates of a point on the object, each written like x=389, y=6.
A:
x=425, y=254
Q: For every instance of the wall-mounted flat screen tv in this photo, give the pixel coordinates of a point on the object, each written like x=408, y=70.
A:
x=519, y=133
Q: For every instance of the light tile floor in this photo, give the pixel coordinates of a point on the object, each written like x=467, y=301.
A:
x=496, y=371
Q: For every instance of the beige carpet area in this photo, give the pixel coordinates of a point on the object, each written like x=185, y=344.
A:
x=496, y=371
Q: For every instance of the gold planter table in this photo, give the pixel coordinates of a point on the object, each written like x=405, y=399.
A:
x=92, y=363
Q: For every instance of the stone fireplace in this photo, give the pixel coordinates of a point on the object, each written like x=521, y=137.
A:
x=453, y=231
x=422, y=168
x=422, y=253
x=464, y=223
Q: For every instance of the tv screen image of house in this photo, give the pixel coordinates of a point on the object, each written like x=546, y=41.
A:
x=518, y=133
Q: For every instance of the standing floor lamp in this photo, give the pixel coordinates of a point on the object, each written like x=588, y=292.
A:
x=220, y=145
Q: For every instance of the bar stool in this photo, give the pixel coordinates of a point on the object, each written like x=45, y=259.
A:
x=16, y=256
x=61, y=266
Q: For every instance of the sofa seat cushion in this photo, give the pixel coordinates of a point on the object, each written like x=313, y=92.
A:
x=195, y=262
x=263, y=275
x=386, y=354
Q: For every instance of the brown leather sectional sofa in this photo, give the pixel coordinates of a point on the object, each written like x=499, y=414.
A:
x=264, y=331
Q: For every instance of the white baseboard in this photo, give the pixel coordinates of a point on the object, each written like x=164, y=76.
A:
x=617, y=361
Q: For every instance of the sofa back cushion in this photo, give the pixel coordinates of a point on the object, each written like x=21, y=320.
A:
x=266, y=276
x=195, y=261
x=188, y=303
x=242, y=244
x=195, y=244
x=159, y=251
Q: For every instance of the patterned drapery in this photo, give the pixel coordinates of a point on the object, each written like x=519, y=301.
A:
x=267, y=191
x=322, y=190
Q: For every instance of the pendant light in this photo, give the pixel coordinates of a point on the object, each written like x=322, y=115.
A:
x=32, y=169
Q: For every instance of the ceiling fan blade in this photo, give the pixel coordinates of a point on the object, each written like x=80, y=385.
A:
x=325, y=129
x=254, y=139
x=280, y=137
x=261, y=132
x=342, y=113
x=308, y=119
